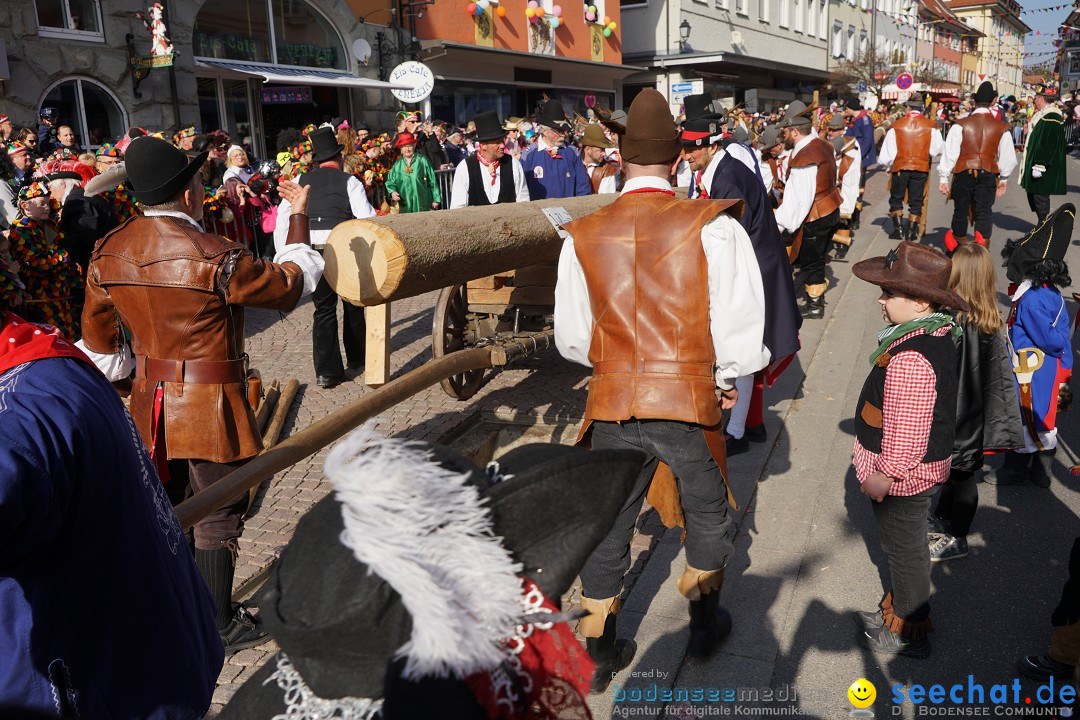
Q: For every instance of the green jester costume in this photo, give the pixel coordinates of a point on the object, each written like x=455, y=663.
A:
x=1044, y=158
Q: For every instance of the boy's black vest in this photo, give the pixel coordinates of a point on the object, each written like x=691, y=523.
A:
x=941, y=354
x=328, y=204
x=477, y=195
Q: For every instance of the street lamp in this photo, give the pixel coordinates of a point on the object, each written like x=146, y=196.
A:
x=684, y=35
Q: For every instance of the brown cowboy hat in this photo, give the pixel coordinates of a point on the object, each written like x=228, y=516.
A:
x=649, y=136
x=594, y=137
x=917, y=271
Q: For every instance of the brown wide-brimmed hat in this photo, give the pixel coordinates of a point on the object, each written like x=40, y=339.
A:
x=594, y=137
x=797, y=114
x=649, y=136
x=914, y=270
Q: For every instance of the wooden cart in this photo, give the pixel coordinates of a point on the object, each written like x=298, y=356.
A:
x=513, y=305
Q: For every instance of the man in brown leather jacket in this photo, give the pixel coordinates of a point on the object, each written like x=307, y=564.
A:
x=658, y=358
x=181, y=292
x=977, y=160
x=905, y=154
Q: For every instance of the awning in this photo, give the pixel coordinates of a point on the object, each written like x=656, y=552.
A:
x=276, y=74
x=891, y=92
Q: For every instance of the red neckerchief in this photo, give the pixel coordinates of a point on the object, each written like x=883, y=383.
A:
x=21, y=341
x=642, y=191
x=329, y=165
x=702, y=192
x=553, y=152
x=493, y=167
x=546, y=673
x=862, y=114
x=913, y=112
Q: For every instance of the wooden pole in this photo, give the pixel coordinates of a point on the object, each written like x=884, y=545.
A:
x=277, y=420
x=377, y=345
x=266, y=407
x=325, y=431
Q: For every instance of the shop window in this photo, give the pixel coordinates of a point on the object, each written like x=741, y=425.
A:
x=69, y=19
x=248, y=29
x=90, y=109
x=304, y=37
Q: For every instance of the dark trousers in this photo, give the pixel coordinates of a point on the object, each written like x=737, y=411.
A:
x=902, y=526
x=814, y=252
x=1040, y=205
x=911, y=182
x=958, y=502
x=190, y=477
x=701, y=484
x=971, y=189
x=324, y=332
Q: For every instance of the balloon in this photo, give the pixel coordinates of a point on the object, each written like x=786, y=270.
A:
x=501, y=11
x=611, y=26
x=591, y=17
x=530, y=13
x=533, y=4
x=470, y=8
x=534, y=19
x=607, y=32
x=607, y=20
x=556, y=11
x=592, y=9
x=479, y=10
x=539, y=12
x=554, y=22
x=482, y=4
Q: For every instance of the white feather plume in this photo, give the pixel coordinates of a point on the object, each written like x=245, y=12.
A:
x=427, y=533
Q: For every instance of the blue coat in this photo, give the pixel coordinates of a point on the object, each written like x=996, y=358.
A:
x=1039, y=320
x=733, y=179
x=101, y=603
x=560, y=177
x=863, y=130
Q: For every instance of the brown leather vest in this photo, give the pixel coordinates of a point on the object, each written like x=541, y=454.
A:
x=827, y=196
x=913, y=136
x=846, y=160
x=601, y=171
x=164, y=277
x=651, y=350
x=979, y=147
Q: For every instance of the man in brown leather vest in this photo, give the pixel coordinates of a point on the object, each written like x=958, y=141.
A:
x=658, y=358
x=181, y=292
x=604, y=175
x=811, y=208
x=905, y=154
x=977, y=160
x=848, y=177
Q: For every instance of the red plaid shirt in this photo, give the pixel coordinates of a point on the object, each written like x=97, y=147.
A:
x=908, y=412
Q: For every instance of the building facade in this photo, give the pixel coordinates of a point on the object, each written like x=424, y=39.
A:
x=250, y=67
x=851, y=28
x=1001, y=42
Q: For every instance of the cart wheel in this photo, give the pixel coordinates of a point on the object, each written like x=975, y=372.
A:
x=448, y=333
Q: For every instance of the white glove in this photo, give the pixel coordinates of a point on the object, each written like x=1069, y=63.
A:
x=1037, y=171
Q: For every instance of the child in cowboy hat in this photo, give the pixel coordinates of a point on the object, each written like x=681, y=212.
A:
x=904, y=428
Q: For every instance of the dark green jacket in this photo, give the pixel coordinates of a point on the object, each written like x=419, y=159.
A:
x=1046, y=147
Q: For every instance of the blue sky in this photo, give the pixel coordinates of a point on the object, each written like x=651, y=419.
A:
x=1045, y=22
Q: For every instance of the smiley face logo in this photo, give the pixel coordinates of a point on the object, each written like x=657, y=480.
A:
x=862, y=693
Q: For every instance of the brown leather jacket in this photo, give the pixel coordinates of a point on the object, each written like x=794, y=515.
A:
x=182, y=292
x=827, y=196
x=913, y=135
x=979, y=146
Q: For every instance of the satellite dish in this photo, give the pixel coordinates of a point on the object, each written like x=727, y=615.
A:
x=361, y=50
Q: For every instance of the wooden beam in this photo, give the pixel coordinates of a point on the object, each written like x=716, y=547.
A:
x=377, y=348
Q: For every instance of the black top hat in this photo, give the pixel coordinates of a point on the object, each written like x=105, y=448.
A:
x=488, y=127
x=552, y=115
x=158, y=170
x=324, y=145
x=986, y=93
x=702, y=125
x=1049, y=240
x=408, y=578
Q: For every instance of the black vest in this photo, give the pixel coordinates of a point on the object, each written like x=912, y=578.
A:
x=941, y=353
x=477, y=196
x=328, y=203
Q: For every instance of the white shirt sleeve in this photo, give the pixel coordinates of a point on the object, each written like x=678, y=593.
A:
x=887, y=153
x=937, y=143
x=310, y=262
x=459, y=191
x=950, y=154
x=573, y=313
x=281, y=225
x=115, y=366
x=1006, y=157
x=358, y=199
x=849, y=184
x=521, y=189
x=607, y=185
x=767, y=176
x=798, y=198
x=736, y=301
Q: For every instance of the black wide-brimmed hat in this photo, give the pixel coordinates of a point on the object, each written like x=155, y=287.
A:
x=1049, y=240
x=157, y=170
x=649, y=136
x=552, y=115
x=324, y=145
x=488, y=127
x=986, y=93
x=408, y=579
x=917, y=271
x=770, y=137
x=917, y=101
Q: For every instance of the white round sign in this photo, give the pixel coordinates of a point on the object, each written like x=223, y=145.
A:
x=417, y=76
x=361, y=49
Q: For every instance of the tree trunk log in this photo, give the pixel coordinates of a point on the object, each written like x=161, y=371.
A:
x=370, y=262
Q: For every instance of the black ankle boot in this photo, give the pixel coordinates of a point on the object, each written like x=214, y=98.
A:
x=897, y=232
x=709, y=624
x=609, y=654
x=239, y=630
x=813, y=308
x=913, y=230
